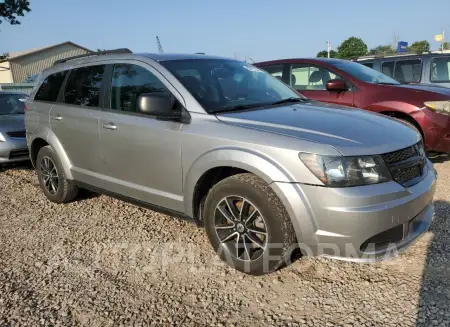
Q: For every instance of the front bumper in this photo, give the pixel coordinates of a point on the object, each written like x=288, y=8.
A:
x=436, y=129
x=364, y=224
x=13, y=150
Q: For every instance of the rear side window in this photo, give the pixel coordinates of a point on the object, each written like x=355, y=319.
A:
x=83, y=86
x=368, y=64
x=387, y=68
x=129, y=82
x=440, y=70
x=408, y=71
x=49, y=89
x=274, y=70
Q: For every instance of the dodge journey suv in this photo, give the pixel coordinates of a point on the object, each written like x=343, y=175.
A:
x=232, y=148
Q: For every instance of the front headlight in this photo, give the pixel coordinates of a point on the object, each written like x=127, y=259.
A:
x=2, y=138
x=442, y=107
x=347, y=171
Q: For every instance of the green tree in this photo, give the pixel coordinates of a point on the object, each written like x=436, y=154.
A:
x=419, y=47
x=4, y=56
x=11, y=9
x=324, y=54
x=382, y=50
x=446, y=45
x=351, y=48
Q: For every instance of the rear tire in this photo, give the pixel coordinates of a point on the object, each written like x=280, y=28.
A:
x=51, y=177
x=257, y=237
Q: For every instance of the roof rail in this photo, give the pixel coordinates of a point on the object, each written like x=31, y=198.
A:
x=98, y=53
x=400, y=54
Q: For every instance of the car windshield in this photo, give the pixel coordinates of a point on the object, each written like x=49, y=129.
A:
x=12, y=104
x=221, y=85
x=364, y=73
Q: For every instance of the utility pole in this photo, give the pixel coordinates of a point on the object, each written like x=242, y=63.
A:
x=442, y=42
x=328, y=48
x=395, y=42
x=160, y=48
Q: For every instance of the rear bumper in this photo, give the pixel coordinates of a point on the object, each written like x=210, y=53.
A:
x=362, y=224
x=13, y=150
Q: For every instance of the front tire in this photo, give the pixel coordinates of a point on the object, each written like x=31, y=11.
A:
x=51, y=177
x=247, y=225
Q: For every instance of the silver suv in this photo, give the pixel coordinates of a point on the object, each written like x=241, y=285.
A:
x=226, y=145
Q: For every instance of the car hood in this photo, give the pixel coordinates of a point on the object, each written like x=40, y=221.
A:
x=12, y=122
x=426, y=87
x=350, y=131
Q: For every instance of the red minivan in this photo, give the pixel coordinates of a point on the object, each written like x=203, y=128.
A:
x=352, y=84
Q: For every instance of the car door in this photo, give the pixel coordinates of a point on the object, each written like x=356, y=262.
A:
x=310, y=80
x=141, y=154
x=74, y=120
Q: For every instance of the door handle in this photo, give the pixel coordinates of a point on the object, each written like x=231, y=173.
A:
x=110, y=126
x=57, y=117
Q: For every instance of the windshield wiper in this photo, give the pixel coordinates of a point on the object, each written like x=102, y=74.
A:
x=240, y=107
x=386, y=83
x=292, y=99
x=259, y=105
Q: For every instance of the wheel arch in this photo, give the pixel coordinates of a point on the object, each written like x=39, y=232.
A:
x=48, y=138
x=404, y=116
x=216, y=165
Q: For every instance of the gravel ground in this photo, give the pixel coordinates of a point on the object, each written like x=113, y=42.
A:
x=102, y=262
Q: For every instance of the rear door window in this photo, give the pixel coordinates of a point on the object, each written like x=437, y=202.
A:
x=387, y=68
x=440, y=70
x=49, y=89
x=408, y=71
x=274, y=70
x=83, y=86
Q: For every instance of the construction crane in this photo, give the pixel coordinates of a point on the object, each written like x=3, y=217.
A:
x=160, y=49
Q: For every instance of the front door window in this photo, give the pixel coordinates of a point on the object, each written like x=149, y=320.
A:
x=309, y=77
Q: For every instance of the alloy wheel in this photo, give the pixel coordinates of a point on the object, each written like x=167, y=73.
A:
x=50, y=175
x=240, y=228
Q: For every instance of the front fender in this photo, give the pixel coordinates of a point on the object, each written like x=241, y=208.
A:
x=399, y=106
x=249, y=160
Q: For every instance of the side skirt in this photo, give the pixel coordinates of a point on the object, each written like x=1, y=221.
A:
x=146, y=205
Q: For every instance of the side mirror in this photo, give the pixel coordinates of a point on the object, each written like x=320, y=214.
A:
x=336, y=85
x=159, y=105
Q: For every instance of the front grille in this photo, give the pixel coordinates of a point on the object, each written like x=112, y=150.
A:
x=16, y=154
x=404, y=175
x=383, y=239
x=17, y=134
x=406, y=165
x=400, y=155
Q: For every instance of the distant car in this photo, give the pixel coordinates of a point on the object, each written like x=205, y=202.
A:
x=13, y=143
x=352, y=84
x=433, y=68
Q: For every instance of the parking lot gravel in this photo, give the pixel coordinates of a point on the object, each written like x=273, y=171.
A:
x=101, y=262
